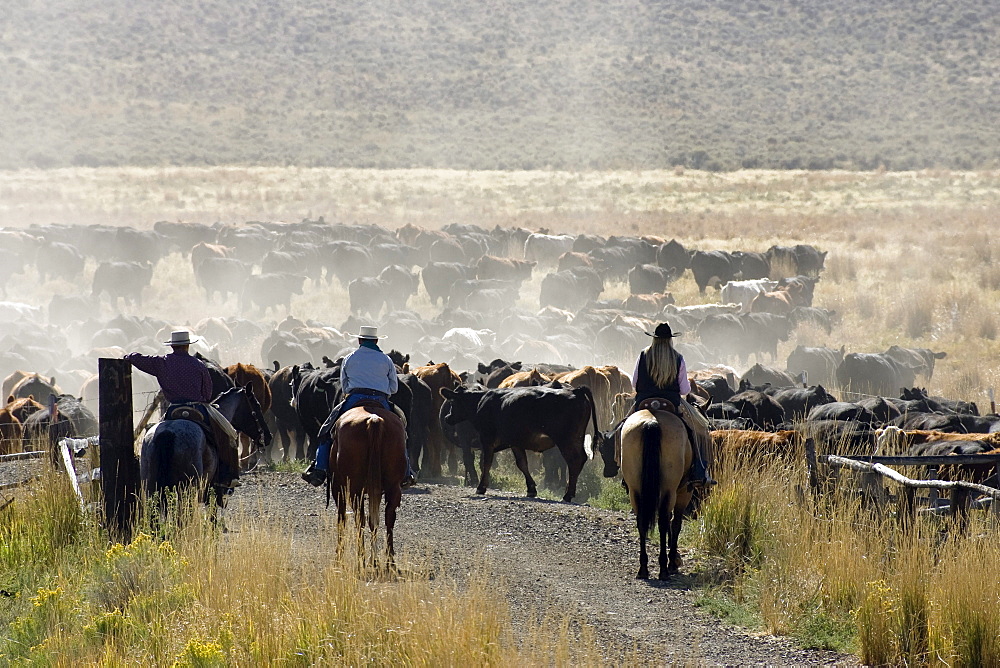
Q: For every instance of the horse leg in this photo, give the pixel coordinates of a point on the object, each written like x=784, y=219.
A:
x=485, y=463
x=643, y=558
x=665, y=529
x=393, y=497
x=675, y=532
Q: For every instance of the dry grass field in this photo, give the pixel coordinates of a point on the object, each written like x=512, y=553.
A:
x=911, y=261
x=910, y=253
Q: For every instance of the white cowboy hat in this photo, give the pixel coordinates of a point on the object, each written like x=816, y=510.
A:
x=181, y=337
x=368, y=332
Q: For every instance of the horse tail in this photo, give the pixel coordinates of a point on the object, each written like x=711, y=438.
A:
x=649, y=489
x=166, y=441
x=376, y=434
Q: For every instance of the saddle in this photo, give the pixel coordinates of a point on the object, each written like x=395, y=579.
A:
x=654, y=404
x=186, y=412
x=191, y=413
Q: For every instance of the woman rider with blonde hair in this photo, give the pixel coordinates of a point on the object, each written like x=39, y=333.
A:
x=660, y=371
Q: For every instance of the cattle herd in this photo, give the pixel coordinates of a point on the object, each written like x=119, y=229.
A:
x=500, y=309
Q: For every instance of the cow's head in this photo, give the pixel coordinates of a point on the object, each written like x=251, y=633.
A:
x=606, y=446
x=462, y=404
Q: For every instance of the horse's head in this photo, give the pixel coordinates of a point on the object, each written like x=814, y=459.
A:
x=244, y=412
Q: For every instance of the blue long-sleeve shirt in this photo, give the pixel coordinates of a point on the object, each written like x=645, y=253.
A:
x=370, y=368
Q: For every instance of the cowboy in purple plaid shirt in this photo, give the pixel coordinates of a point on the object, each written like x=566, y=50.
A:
x=185, y=379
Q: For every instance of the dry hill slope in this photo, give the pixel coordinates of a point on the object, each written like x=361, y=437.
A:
x=517, y=84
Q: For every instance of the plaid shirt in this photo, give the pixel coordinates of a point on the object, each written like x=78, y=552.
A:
x=182, y=377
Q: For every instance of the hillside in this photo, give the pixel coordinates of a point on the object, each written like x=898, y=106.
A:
x=500, y=85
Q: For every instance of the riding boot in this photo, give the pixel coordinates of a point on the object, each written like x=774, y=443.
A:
x=409, y=480
x=316, y=474
x=698, y=473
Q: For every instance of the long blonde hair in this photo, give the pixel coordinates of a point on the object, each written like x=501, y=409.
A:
x=661, y=361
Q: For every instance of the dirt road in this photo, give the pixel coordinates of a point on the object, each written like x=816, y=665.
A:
x=550, y=556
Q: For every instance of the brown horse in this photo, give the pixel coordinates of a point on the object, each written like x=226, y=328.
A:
x=655, y=457
x=368, y=458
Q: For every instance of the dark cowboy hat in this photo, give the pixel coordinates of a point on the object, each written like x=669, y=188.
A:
x=663, y=331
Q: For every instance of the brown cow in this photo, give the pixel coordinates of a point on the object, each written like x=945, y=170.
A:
x=438, y=377
x=619, y=381
x=248, y=374
x=10, y=381
x=779, y=302
x=11, y=433
x=895, y=440
x=22, y=408
x=650, y=304
x=524, y=379
x=202, y=251
x=755, y=444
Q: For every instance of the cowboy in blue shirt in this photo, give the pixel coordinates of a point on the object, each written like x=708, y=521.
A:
x=367, y=374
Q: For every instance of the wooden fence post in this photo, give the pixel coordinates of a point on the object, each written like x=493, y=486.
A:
x=119, y=465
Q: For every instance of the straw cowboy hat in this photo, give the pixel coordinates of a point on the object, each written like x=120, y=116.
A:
x=368, y=332
x=181, y=337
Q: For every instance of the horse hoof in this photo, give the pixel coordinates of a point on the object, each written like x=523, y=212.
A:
x=532, y=493
x=481, y=491
x=643, y=574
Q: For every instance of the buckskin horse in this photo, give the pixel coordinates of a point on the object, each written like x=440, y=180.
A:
x=368, y=458
x=176, y=453
x=654, y=458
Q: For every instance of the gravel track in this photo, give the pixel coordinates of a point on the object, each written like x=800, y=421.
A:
x=549, y=555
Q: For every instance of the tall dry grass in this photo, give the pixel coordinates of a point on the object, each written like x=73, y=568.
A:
x=836, y=573
x=193, y=596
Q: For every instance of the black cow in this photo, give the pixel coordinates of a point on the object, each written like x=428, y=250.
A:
x=527, y=418
x=267, y=291
x=752, y=265
x=759, y=374
x=762, y=411
x=223, y=275
x=713, y=268
x=464, y=437
x=792, y=260
x=315, y=392
x=73, y=420
x=346, y=260
x=59, y=260
x=823, y=318
x=287, y=424
x=920, y=359
x=884, y=411
x=841, y=437
x=819, y=364
x=367, y=295
x=873, y=373
x=419, y=414
x=646, y=279
x=122, y=279
x=939, y=404
x=400, y=284
x=674, y=257
x=570, y=289
x=842, y=410
x=506, y=269
x=717, y=387
x=797, y=401
x=438, y=277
